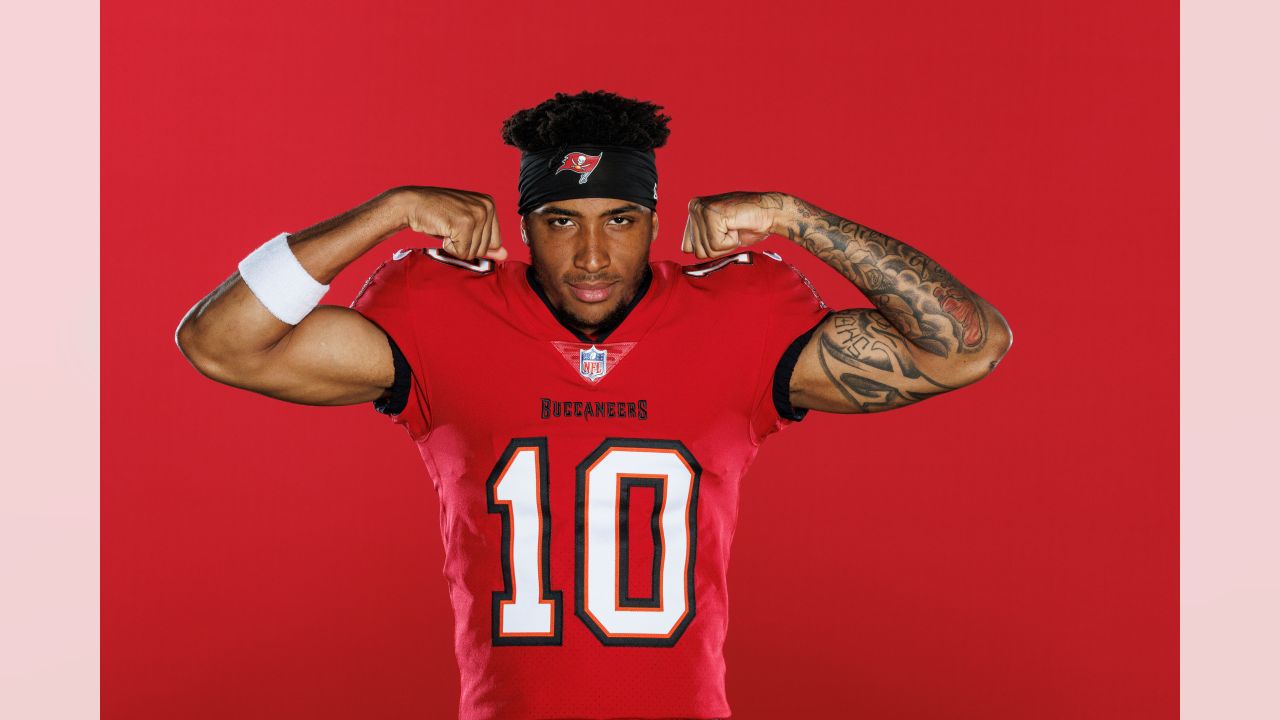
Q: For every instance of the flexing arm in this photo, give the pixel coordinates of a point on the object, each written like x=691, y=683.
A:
x=334, y=356
x=926, y=335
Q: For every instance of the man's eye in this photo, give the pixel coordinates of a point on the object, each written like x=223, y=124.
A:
x=624, y=219
x=556, y=220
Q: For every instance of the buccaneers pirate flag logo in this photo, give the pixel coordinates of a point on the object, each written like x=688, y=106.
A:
x=581, y=163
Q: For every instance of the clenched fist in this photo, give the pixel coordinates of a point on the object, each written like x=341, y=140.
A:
x=466, y=221
x=721, y=224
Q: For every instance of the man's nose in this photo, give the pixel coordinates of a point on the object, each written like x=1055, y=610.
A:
x=592, y=255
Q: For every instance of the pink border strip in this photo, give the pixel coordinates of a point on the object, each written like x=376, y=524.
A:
x=49, y=502
x=49, y=495
x=1230, y=492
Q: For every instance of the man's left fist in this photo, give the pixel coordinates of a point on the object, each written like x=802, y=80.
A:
x=721, y=224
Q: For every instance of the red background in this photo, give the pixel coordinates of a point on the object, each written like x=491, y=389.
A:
x=1006, y=551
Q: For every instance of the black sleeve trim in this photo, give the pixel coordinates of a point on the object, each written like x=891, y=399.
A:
x=398, y=400
x=782, y=376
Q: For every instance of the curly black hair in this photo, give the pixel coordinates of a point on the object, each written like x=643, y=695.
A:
x=598, y=118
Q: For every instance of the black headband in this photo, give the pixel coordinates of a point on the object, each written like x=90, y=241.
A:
x=570, y=172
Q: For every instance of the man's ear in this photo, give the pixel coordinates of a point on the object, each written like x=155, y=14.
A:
x=523, y=235
x=653, y=233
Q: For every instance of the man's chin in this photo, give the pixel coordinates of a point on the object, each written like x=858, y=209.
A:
x=592, y=318
x=589, y=318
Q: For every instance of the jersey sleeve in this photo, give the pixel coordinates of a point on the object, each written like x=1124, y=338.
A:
x=794, y=311
x=386, y=300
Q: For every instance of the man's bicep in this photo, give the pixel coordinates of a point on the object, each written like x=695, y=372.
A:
x=335, y=356
x=857, y=362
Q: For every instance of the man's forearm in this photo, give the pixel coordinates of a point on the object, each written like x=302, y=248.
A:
x=230, y=321
x=927, y=306
x=325, y=248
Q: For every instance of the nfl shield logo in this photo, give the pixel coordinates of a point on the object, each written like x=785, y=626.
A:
x=592, y=363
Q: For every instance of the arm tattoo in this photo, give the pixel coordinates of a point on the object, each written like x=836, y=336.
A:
x=867, y=361
x=918, y=296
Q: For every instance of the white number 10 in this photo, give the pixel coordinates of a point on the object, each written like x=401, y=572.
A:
x=527, y=611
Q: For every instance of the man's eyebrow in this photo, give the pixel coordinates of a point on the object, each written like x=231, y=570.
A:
x=553, y=210
x=629, y=207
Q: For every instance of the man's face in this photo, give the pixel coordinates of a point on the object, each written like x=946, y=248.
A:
x=590, y=255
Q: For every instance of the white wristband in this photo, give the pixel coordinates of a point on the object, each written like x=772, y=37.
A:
x=280, y=282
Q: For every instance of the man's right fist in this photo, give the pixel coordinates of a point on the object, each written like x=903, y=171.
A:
x=466, y=221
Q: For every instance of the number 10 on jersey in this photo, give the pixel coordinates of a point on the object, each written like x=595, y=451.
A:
x=527, y=611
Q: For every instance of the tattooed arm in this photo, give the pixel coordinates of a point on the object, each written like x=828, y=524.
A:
x=926, y=335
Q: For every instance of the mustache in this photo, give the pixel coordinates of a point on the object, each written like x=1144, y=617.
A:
x=589, y=279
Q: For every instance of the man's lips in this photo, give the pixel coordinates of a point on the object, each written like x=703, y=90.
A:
x=592, y=292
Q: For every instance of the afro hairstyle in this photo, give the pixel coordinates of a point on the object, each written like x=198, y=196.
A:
x=598, y=118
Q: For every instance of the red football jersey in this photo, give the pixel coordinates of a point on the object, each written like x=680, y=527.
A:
x=589, y=487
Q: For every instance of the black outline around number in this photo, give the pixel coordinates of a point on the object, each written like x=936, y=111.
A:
x=538, y=444
x=691, y=520
x=659, y=487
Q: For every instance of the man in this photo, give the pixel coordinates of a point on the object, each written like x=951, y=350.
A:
x=586, y=419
